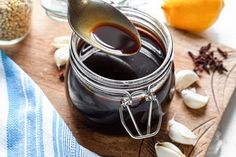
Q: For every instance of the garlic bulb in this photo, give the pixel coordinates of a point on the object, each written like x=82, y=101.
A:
x=194, y=100
x=60, y=42
x=180, y=133
x=184, y=79
x=61, y=56
x=167, y=149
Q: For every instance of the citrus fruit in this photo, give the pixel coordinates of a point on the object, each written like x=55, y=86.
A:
x=192, y=15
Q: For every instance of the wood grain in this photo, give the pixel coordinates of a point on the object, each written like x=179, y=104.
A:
x=35, y=57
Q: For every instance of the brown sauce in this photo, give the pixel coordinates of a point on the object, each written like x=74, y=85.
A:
x=116, y=38
x=131, y=67
x=102, y=113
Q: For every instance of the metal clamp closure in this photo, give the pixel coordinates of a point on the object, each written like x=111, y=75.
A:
x=127, y=102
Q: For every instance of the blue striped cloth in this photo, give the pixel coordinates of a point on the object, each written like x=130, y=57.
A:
x=29, y=125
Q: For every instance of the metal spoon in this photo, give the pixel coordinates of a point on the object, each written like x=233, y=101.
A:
x=85, y=15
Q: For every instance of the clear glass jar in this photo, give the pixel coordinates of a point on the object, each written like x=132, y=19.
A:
x=15, y=20
x=130, y=93
x=118, y=2
x=57, y=9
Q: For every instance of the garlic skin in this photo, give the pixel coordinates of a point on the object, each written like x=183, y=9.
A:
x=60, y=42
x=167, y=149
x=180, y=133
x=193, y=89
x=194, y=100
x=184, y=79
x=61, y=56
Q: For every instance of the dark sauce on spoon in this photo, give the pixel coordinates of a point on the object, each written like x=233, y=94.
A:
x=117, y=38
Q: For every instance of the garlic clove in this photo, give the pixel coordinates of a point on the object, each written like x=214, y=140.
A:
x=184, y=79
x=60, y=42
x=167, y=149
x=180, y=133
x=168, y=145
x=193, y=90
x=61, y=56
x=194, y=100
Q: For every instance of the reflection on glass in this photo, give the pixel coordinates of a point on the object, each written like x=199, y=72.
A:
x=57, y=9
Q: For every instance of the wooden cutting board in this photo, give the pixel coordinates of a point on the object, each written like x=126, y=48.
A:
x=35, y=57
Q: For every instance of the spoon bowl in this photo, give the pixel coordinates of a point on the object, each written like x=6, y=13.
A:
x=85, y=16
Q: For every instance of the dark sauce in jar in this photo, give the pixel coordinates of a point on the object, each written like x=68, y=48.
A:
x=131, y=67
x=101, y=112
x=116, y=38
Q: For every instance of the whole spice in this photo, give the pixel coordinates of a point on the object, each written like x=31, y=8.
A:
x=223, y=53
x=14, y=19
x=61, y=75
x=207, y=61
x=206, y=48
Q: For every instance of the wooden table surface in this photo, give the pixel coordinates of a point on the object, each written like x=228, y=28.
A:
x=35, y=57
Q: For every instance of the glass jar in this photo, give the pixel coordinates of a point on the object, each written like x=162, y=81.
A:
x=116, y=92
x=57, y=9
x=15, y=20
x=118, y=2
